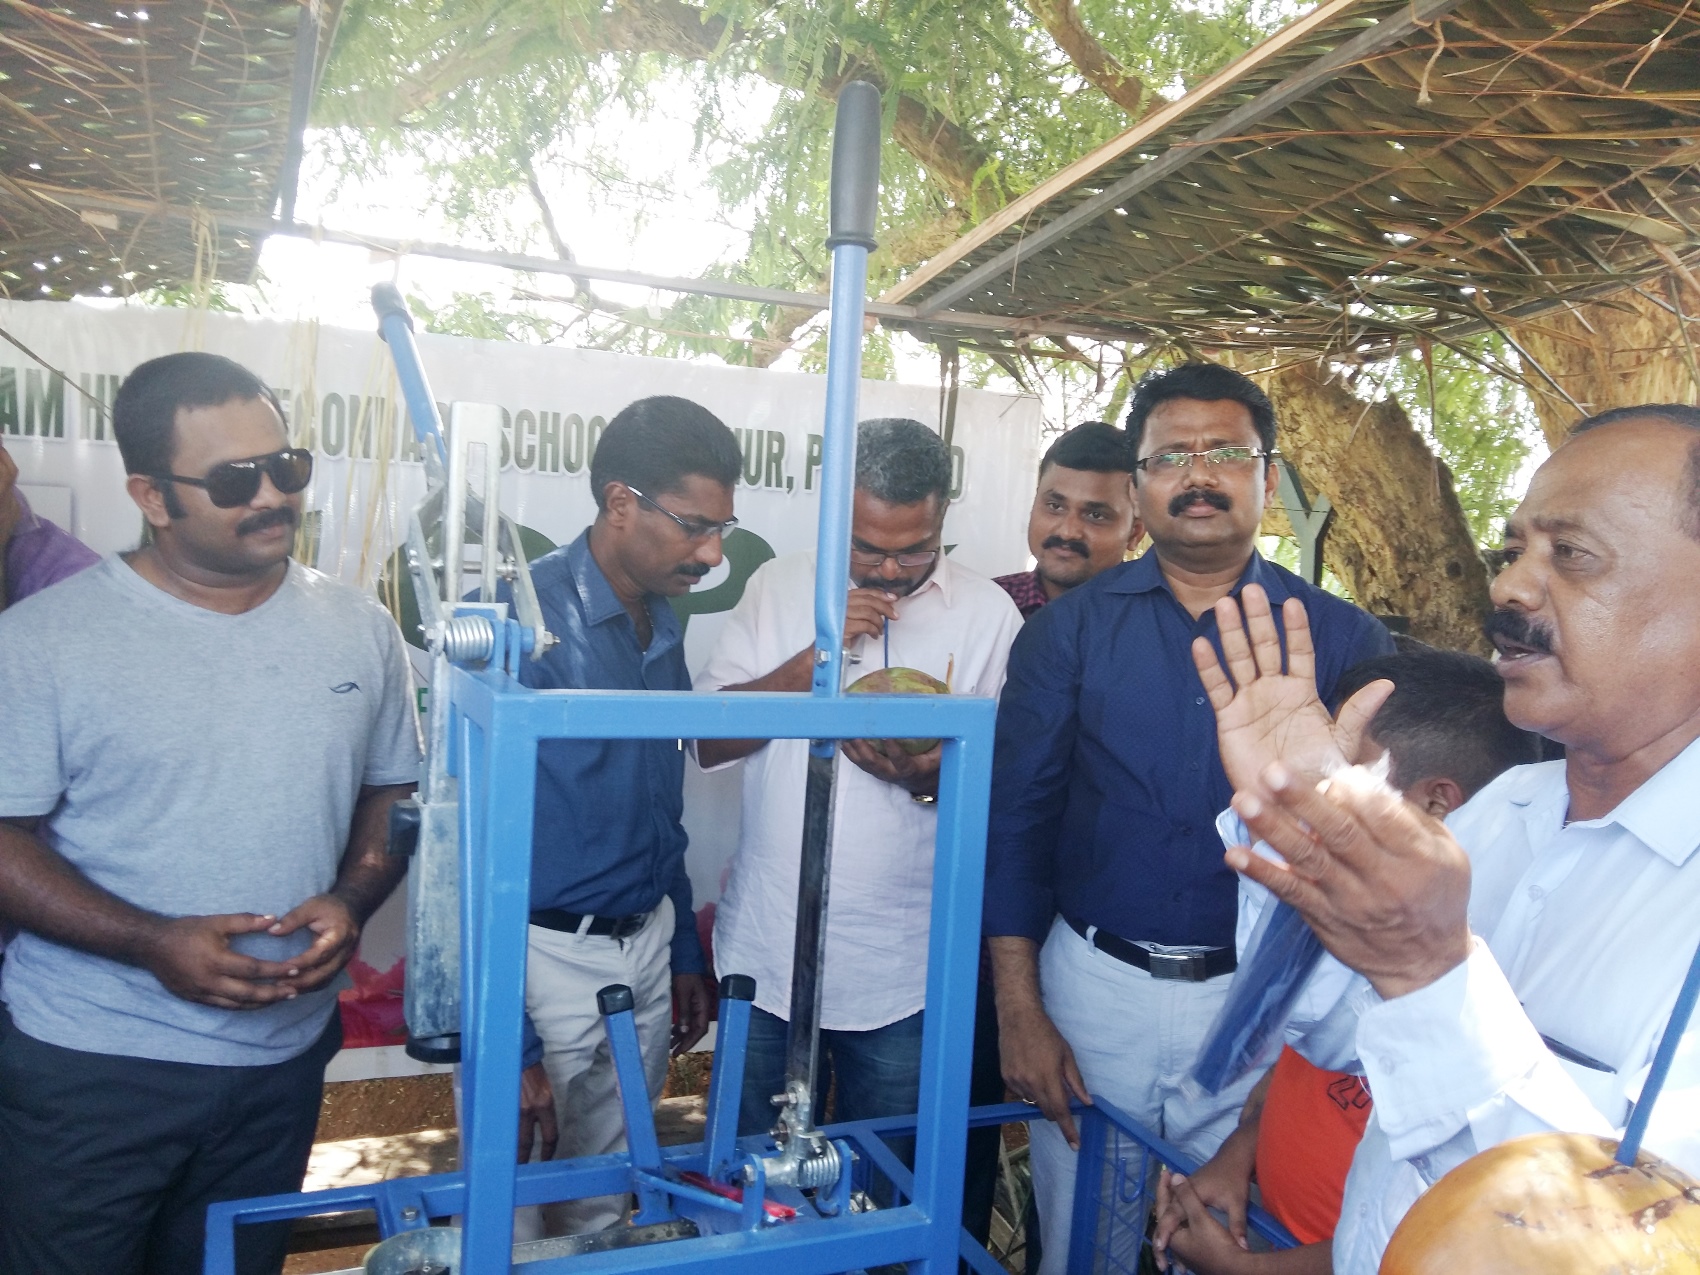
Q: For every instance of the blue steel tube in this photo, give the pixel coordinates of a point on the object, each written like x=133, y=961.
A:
x=1630, y=1145
x=854, y=207
x=396, y=326
x=838, y=465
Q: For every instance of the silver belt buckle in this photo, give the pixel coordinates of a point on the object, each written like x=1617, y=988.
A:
x=1184, y=967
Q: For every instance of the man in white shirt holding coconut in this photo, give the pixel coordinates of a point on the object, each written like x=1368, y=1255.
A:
x=910, y=608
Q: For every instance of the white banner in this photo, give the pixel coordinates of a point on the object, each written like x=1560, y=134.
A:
x=340, y=391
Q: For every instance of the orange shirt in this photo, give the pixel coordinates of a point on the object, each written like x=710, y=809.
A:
x=1312, y=1122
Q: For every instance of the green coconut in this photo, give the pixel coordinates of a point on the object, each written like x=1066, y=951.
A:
x=901, y=681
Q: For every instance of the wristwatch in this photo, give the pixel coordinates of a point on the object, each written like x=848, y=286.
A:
x=923, y=798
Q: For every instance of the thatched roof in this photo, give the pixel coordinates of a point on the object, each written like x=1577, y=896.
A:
x=1381, y=169
x=162, y=101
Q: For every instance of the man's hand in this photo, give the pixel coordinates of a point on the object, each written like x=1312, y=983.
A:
x=536, y=1113
x=192, y=958
x=1385, y=886
x=693, y=997
x=1188, y=1234
x=1264, y=715
x=919, y=773
x=1222, y=1182
x=335, y=932
x=1039, y=1067
x=866, y=613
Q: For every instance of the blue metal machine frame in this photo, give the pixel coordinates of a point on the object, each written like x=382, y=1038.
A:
x=496, y=728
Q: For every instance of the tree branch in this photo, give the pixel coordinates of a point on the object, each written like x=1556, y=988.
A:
x=964, y=170
x=1062, y=19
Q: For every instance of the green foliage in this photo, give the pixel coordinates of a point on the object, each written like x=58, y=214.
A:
x=482, y=91
x=217, y=296
x=980, y=102
x=1482, y=425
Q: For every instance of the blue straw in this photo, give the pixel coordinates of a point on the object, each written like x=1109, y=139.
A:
x=1643, y=1112
x=888, y=641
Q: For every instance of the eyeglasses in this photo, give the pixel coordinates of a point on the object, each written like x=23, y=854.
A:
x=1215, y=458
x=236, y=482
x=694, y=528
x=877, y=557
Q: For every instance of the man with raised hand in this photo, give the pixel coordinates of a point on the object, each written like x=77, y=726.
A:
x=1519, y=961
x=201, y=743
x=1109, y=912
x=1441, y=736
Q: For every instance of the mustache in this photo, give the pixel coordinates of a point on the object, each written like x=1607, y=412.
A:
x=1513, y=628
x=694, y=570
x=283, y=515
x=1199, y=496
x=1073, y=546
x=897, y=588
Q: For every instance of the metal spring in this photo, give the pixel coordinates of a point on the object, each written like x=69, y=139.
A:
x=819, y=1170
x=468, y=639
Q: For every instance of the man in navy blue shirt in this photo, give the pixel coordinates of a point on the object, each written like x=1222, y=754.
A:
x=610, y=900
x=1109, y=909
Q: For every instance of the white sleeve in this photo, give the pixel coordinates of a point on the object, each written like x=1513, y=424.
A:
x=1460, y=1054
x=1007, y=623
x=1322, y=1024
x=734, y=658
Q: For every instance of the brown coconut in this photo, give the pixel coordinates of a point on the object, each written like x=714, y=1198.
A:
x=900, y=681
x=1553, y=1203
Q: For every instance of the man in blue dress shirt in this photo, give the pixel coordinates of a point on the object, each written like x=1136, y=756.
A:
x=1109, y=910
x=610, y=899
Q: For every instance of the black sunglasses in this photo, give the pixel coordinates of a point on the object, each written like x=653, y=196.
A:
x=236, y=482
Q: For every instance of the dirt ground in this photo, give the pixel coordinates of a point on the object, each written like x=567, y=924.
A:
x=404, y=1126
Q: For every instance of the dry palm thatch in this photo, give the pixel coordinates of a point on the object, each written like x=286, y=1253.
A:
x=1458, y=168
x=158, y=101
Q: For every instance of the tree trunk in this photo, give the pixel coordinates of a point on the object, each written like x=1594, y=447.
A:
x=1398, y=539
x=1621, y=350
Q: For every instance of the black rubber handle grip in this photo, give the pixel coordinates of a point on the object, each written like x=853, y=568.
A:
x=387, y=301
x=737, y=987
x=616, y=998
x=855, y=166
x=405, y=819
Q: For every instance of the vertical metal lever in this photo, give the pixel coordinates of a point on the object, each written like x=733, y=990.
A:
x=726, y=1085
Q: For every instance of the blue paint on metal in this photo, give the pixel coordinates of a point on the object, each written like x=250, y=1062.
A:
x=1630, y=1145
x=497, y=726
x=1116, y=1187
x=641, y=1142
x=397, y=329
x=838, y=469
x=726, y=1086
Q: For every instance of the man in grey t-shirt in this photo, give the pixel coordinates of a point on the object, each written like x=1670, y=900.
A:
x=202, y=740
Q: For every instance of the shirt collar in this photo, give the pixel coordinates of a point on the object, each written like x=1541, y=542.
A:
x=1145, y=574
x=599, y=600
x=1660, y=813
x=941, y=578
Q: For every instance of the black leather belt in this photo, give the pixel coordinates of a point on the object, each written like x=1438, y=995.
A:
x=614, y=927
x=1186, y=967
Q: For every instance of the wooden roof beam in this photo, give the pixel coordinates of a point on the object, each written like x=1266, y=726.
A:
x=1383, y=34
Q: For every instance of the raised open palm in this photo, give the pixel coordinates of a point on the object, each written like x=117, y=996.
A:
x=1267, y=714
